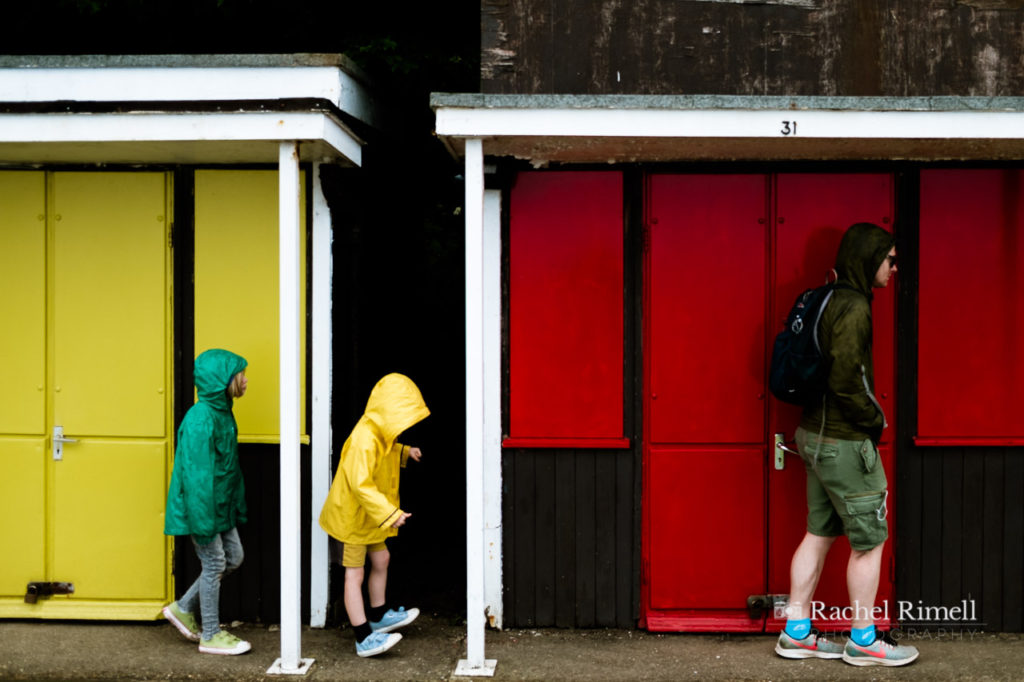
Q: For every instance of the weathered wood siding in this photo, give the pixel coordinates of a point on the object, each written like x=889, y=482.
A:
x=771, y=47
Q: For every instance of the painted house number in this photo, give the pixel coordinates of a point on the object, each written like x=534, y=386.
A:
x=788, y=128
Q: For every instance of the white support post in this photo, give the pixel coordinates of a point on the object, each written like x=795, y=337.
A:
x=323, y=370
x=474, y=664
x=290, y=662
x=492, y=407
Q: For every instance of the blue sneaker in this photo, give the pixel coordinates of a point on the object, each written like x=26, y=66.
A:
x=377, y=643
x=811, y=646
x=883, y=651
x=392, y=620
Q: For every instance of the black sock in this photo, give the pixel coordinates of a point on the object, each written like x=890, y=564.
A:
x=362, y=631
x=377, y=612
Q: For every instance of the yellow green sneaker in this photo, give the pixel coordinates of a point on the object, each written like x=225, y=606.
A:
x=224, y=643
x=184, y=622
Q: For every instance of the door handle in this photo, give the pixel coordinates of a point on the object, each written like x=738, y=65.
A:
x=58, y=443
x=780, y=451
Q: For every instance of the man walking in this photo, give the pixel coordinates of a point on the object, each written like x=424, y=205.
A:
x=846, y=485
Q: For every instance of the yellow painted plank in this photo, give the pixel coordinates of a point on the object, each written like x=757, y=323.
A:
x=237, y=286
x=23, y=302
x=23, y=523
x=61, y=608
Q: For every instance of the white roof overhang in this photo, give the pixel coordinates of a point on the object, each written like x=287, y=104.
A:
x=625, y=128
x=181, y=109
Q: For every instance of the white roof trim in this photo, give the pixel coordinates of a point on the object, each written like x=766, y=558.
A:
x=183, y=133
x=187, y=84
x=669, y=128
x=718, y=123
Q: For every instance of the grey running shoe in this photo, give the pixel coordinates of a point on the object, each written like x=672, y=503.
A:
x=883, y=651
x=811, y=646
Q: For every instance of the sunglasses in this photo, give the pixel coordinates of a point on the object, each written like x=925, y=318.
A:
x=892, y=261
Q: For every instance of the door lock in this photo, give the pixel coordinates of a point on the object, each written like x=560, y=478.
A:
x=780, y=451
x=58, y=443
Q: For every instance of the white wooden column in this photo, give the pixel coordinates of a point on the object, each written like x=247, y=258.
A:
x=474, y=663
x=492, y=407
x=291, y=560
x=323, y=371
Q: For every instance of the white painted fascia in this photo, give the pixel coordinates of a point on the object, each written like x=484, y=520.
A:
x=721, y=123
x=188, y=84
x=164, y=127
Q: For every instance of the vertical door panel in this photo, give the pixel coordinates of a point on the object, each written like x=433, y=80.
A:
x=706, y=552
x=23, y=524
x=22, y=379
x=110, y=393
x=707, y=296
x=110, y=304
x=236, y=275
x=812, y=213
x=970, y=366
x=565, y=300
x=108, y=527
x=23, y=302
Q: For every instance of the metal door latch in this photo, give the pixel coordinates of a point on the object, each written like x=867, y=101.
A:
x=780, y=451
x=58, y=443
x=41, y=589
x=758, y=604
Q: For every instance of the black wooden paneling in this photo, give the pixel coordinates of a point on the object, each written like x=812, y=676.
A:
x=565, y=534
x=1012, y=608
x=569, y=538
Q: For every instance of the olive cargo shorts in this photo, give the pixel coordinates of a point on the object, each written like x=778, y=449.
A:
x=846, y=489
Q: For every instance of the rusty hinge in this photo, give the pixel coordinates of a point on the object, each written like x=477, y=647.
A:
x=42, y=589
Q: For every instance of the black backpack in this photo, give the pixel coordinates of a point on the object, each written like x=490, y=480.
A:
x=799, y=371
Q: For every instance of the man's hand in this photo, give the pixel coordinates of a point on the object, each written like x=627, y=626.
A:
x=400, y=521
x=415, y=454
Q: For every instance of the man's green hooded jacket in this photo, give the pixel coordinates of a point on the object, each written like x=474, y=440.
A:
x=207, y=493
x=851, y=410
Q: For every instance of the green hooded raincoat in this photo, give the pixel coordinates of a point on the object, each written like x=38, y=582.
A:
x=207, y=493
x=851, y=410
x=363, y=500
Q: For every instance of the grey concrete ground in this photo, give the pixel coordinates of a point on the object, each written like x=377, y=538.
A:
x=432, y=646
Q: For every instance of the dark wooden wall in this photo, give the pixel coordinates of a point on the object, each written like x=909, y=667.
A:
x=569, y=538
x=774, y=47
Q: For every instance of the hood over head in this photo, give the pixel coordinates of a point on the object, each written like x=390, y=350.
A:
x=863, y=248
x=395, y=404
x=214, y=370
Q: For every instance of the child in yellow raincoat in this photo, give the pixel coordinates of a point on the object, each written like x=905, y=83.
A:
x=362, y=507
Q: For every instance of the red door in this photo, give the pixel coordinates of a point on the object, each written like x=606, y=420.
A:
x=726, y=256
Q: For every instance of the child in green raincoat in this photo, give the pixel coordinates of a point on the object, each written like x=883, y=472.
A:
x=362, y=507
x=207, y=498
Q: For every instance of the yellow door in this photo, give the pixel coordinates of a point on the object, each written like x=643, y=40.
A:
x=93, y=256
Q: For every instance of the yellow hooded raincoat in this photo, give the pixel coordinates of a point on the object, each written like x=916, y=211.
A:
x=363, y=500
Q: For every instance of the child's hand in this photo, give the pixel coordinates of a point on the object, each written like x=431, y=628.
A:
x=415, y=454
x=400, y=521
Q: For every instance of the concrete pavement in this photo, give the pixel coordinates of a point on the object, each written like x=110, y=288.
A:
x=431, y=647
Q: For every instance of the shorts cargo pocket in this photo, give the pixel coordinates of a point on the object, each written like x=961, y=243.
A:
x=865, y=519
x=869, y=454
